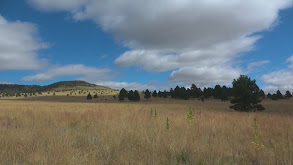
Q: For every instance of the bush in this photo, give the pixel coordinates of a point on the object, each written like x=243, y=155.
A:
x=89, y=97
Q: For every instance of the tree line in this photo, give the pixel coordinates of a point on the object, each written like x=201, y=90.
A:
x=244, y=94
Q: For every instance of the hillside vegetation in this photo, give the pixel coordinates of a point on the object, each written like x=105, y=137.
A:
x=62, y=85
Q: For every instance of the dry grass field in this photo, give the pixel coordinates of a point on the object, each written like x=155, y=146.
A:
x=95, y=132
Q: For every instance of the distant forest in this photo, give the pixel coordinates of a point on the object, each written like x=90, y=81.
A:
x=218, y=92
x=223, y=93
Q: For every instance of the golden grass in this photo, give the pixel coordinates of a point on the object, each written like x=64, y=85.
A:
x=124, y=133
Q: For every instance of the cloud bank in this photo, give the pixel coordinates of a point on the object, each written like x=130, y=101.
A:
x=87, y=73
x=279, y=80
x=197, y=40
x=90, y=74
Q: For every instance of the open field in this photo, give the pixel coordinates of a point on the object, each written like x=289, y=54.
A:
x=97, y=132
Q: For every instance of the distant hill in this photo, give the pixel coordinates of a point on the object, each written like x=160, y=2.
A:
x=62, y=85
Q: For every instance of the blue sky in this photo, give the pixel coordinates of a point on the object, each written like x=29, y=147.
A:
x=147, y=44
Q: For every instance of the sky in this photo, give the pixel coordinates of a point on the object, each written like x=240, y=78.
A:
x=139, y=44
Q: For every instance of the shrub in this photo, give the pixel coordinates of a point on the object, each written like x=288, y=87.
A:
x=89, y=96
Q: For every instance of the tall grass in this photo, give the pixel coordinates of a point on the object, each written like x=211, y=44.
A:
x=113, y=133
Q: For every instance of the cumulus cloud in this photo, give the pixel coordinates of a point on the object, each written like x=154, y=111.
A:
x=158, y=60
x=279, y=80
x=173, y=24
x=19, y=43
x=185, y=35
x=204, y=76
x=87, y=73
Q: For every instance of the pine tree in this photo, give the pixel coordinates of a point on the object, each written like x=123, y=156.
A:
x=288, y=95
x=224, y=94
x=262, y=94
x=269, y=96
x=136, y=96
x=217, y=92
x=165, y=94
x=171, y=93
x=122, y=94
x=131, y=95
x=147, y=94
x=246, y=95
x=279, y=95
x=159, y=94
x=155, y=94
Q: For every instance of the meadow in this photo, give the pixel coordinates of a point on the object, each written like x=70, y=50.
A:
x=110, y=132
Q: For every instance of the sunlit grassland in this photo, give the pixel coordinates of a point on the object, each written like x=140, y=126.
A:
x=35, y=132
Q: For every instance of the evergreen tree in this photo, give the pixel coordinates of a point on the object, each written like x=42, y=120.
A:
x=122, y=94
x=269, y=96
x=207, y=92
x=217, y=92
x=288, y=95
x=165, y=94
x=147, y=94
x=155, y=94
x=193, y=91
x=136, y=96
x=246, y=95
x=279, y=95
x=131, y=95
x=224, y=94
x=89, y=96
x=262, y=94
x=274, y=97
x=177, y=92
x=185, y=94
x=159, y=94
x=172, y=93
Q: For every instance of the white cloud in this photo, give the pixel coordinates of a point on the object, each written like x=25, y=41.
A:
x=156, y=60
x=290, y=60
x=173, y=24
x=279, y=80
x=127, y=86
x=5, y=82
x=205, y=76
x=253, y=65
x=57, y=5
x=183, y=35
x=88, y=73
x=19, y=44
